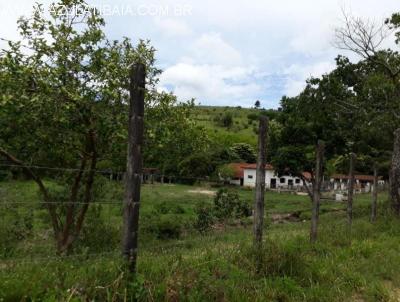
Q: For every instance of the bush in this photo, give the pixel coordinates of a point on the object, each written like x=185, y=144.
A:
x=205, y=218
x=165, y=208
x=16, y=226
x=96, y=234
x=164, y=226
x=252, y=117
x=228, y=205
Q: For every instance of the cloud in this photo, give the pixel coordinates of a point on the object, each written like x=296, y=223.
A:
x=298, y=74
x=234, y=52
x=211, y=48
x=215, y=84
x=173, y=27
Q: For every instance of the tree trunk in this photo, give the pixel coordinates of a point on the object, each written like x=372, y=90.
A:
x=260, y=181
x=395, y=174
x=74, y=219
x=350, y=190
x=316, y=190
x=134, y=166
x=374, y=194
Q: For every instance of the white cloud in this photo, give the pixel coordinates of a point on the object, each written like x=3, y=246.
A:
x=298, y=74
x=222, y=51
x=211, y=48
x=173, y=27
x=210, y=83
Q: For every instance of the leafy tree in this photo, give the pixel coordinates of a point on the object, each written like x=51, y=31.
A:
x=171, y=135
x=64, y=103
x=257, y=104
x=245, y=152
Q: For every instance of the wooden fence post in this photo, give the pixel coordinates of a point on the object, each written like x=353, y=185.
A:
x=134, y=165
x=395, y=174
x=319, y=153
x=374, y=194
x=350, y=190
x=260, y=181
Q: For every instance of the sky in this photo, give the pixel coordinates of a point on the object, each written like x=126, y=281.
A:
x=228, y=53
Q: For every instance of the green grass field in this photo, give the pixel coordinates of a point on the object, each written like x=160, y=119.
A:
x=217, y=266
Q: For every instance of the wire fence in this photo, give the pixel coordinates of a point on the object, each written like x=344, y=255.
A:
x=26, y=233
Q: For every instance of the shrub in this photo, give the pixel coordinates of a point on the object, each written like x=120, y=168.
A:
x=96, y=234
x=16, y=226
x=205, y=218
x=165, y=208
x=228, y=205
x=252, y=117
x=163, y=226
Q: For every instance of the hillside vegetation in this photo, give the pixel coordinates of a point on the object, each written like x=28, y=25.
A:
x=230, y=124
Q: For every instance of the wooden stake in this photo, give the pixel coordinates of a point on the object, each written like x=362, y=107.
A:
x=374, y=194
x=260, y=181
x=350, y=190
x=134, y=165
x=319, y=154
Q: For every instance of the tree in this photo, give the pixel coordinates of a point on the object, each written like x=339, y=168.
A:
x=257, y=104
x=171, y=135
x=63, y=103
x=365, y=38
x=244, y=152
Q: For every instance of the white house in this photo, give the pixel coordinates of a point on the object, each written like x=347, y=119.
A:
x=245, y=175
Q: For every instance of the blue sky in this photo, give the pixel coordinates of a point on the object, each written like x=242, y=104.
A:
x=229, y=53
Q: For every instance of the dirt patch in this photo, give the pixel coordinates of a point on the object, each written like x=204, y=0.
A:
x=205, y=192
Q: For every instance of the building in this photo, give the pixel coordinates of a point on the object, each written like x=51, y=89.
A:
x=245, y=175
x=362, y=183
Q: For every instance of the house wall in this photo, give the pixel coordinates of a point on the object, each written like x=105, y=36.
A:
x=235, y=181
x=250, y=179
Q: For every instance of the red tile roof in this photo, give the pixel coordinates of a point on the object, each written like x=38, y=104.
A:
x=307, y=175
x=357, y=177
x=239, y=167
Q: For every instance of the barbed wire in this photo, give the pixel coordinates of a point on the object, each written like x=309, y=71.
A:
x=112, y=172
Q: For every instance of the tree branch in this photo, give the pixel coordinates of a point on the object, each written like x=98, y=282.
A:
x=51, y=208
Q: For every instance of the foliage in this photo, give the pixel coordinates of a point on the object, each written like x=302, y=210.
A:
x=245, y=152
x=63, y=104
x=226, y=171
x=211, y=265
x=171, y=135
x=166, y=227
x=16, y=227
x=227, y=204
x=98, y=236
x=205, y=218
x=226, y=120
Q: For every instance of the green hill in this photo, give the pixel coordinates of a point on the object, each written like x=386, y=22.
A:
x=231, y=124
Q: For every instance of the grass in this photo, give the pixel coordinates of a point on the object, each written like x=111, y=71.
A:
x=220, y=266
x=241, y=131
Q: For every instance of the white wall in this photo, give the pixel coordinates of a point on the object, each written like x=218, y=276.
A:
x=250, y=179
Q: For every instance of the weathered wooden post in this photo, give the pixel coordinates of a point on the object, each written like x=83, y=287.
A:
x=316, y=188
x=134, y=165
x=350, y=190
x=260, y=182
x=395, y=174
x=374, y=194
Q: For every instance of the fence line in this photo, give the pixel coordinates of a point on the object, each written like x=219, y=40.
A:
x=110, y=172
